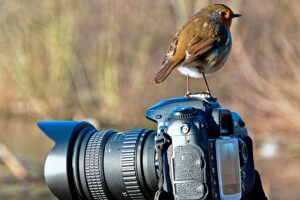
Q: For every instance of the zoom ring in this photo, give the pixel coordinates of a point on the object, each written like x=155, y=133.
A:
x=128, y=164
x=94, y=166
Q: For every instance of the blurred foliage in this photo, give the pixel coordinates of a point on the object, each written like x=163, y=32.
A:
x=96, y=58
x=66, y=59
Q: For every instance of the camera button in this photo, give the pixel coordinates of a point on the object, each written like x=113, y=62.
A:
x=243, y=174
x=213, y=170
x=211, y=145
x=215, y=195
x=214, y=182
x=185, y=129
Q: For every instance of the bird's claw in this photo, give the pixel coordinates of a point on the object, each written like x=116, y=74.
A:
x=207, y=93
x=188, y=93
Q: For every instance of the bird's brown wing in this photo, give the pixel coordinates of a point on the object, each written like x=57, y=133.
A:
x=174, y=44
x=199, y=46
x=169, y=63
x=171, y=50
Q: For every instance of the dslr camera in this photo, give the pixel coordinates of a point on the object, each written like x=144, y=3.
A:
x=199, y=151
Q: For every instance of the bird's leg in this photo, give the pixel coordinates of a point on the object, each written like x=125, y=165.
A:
x=188, y=92
x=208, y=90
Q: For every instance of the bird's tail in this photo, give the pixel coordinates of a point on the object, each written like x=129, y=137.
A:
x=164, y=72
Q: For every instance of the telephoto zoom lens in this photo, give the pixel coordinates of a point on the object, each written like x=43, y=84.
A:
x=100, y=164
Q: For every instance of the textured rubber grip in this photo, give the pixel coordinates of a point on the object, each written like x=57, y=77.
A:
x=93, y=164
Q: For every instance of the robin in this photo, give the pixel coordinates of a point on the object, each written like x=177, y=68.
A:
x=201, y=46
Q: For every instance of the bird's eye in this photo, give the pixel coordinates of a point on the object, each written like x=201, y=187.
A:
x=223, y=13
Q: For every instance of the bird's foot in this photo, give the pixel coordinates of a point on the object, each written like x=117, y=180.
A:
x=207, y=93
x=188, y=93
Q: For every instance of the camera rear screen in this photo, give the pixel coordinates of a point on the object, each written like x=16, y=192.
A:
x=228, y=166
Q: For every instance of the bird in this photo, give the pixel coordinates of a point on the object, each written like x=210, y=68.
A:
x=201, y=46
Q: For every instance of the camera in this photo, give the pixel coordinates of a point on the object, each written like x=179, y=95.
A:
x=200, y=150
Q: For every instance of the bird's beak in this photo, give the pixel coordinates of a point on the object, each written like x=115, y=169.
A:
x=236, y=15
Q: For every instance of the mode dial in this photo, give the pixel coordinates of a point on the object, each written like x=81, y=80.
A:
x=184, y=112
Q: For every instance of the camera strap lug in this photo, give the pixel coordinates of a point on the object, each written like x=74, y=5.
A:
x=162, y=142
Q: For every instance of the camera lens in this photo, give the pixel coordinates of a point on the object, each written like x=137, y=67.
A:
x=115, y=165
x=89, y=164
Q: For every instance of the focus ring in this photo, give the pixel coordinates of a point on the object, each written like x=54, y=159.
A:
x=93, y=164
x=128, y=164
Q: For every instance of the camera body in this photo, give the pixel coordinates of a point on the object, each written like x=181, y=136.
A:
x=210, y=156
x=211, y=153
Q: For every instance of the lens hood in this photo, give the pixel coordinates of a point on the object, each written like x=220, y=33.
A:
x=58, y=166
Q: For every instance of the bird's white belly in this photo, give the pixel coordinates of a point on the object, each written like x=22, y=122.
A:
x=190, y=71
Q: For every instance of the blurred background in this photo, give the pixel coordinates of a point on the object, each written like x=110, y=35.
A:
x=94, y=60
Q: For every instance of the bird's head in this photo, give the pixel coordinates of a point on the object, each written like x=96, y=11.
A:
x=223, y=13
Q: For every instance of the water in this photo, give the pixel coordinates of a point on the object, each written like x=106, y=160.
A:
x=25, y=139
x=31, y=147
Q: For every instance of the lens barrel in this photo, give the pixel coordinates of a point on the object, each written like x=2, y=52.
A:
x=100, y=164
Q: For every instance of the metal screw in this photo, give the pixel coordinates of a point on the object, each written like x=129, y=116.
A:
x=185, y=128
